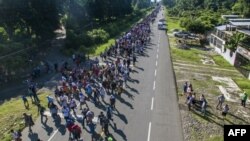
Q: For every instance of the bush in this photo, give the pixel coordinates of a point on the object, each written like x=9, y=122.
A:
x=113, y=29
x=196, y=27
x=72, y=40
x=86, y=40
x=3, y=35
x=98, y=36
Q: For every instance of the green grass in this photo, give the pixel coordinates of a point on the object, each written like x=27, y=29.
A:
x=11, y=115
x=191, y=55
x=246, y=67
x=244, y=84
x=124, y=25
x=94, y=51
x=173, y=22
x=219, y=60
x=215, y=138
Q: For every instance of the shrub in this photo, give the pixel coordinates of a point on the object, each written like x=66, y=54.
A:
x=72, y=40
x=86, y=40
x=98, y=35
x=3, y=35
x=113, y=29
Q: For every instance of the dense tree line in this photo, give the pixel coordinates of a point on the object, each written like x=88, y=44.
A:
x=88, y=23
x=141, y=3
x=238, y=6
x=39, y=18
x=200, y=16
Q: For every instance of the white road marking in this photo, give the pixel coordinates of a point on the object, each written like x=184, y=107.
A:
x=159, y=38
x=152, y=104
x=51, y=137
x=157, y=50
x=157, y=56
x=156, y=63
x=154, y=86
x=149, y=131
x=155, y=72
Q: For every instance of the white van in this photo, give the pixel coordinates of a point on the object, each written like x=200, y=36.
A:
x=161, y=26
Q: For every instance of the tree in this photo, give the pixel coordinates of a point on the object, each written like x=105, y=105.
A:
x=34, y=17
x=141, y=3
x=169, y=3
x=242, y=7
x=196, y=26
x=234, y=40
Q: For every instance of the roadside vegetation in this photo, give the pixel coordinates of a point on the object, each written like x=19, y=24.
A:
x=94, y=41
x=88, y=25
x=199, y=64
x=11, y=113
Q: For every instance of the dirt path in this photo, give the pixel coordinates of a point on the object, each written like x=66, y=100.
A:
x=205, y=67
x=209, y=127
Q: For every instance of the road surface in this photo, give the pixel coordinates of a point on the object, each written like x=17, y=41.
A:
x=148, y=111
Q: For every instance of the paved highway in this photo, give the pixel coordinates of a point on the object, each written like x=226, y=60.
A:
x=148, y=111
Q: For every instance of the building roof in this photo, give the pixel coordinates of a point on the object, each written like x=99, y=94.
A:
x=236, y=23
x=223, y=27
x=230, y=16
x=239, y=20
x=244, y=31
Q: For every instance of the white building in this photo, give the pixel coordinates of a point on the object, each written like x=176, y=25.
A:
x=219, y=37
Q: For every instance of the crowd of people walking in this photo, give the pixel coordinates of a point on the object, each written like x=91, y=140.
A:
x=95, y=83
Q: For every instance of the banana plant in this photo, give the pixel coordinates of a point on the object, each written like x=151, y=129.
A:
x=234, y=40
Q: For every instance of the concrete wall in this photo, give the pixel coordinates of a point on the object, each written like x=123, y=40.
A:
x=229, y=57
x=224, y=52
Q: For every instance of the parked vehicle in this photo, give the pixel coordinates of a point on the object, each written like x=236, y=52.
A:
x=162, y=26
x=181, y=34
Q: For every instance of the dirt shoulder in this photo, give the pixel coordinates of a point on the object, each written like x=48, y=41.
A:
x=212, y=80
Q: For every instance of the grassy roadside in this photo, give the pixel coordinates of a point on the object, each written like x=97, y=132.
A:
x=172, y=22
x=189, y=67
x=11, y=114
x=124, y=26
x=244, y=84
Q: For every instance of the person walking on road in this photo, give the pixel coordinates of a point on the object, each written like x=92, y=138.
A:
x=82, y=99
x=66, y=112
x=34, y=94
x=106, y=126
x=112, y=101
x=41, y=111
x=134, y=59
x=25, y=102
x=72, y=105
x=28, y=121
x=53, y=109
x=221, y=100
x=109, y=113
x=84, y=116
x=244, y=99
x=101, y=118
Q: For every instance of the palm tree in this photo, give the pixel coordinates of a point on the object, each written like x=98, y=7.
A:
x=234, y=40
